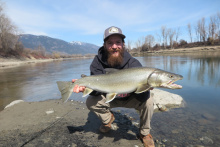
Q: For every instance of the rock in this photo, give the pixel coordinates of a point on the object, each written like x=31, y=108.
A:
x=50, y=111
x=166, y=99
x=13, y=103
x=175, y=131
x=207, y=141
x=204, y=122
x=114, y=126
x=208, y=116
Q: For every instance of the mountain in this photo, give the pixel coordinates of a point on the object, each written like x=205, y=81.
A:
x=58, y=45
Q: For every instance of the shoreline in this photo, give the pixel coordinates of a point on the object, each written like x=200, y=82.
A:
x=13, y=62
x=180, y=51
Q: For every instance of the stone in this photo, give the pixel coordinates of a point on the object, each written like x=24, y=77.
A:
x=50, y=111
x=208, y=116
x=206, y=140
x=13, y=103
x=166, y=99
x=204, y=121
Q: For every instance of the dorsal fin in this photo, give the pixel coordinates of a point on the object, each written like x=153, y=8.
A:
x=111, y=70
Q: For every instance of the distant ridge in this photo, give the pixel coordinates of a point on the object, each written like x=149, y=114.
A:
x=57, y=45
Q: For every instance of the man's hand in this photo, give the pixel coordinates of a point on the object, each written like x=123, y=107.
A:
x=77, y=88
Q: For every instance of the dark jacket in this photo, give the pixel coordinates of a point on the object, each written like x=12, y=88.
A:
x=99, y=64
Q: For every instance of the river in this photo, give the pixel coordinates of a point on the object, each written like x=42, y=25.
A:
x=197, y=123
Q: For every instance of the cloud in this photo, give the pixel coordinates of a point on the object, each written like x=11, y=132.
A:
x=91, y=17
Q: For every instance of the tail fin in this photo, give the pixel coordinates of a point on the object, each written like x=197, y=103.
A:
x=66, y=89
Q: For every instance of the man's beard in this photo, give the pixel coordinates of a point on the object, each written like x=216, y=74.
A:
x=115, y=61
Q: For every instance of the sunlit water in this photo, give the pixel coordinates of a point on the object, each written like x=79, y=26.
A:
x=181, y=127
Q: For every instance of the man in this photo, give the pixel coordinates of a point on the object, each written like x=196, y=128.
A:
x=113, y=55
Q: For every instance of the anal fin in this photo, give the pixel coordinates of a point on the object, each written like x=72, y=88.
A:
x=110, y=97
x=86, y=92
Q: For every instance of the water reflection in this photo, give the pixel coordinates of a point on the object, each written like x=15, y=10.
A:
x=203, y=67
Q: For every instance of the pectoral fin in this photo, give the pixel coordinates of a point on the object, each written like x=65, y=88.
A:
x=110, y=97
x=142, y=88
x=86, y=92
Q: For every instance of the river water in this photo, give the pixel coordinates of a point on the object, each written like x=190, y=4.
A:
x=196, y=124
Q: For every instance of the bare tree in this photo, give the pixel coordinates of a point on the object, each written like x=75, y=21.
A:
x=129, y=42
x=218, y=25
x=164, y=35
x=190, y=31
x=177, y=34
x=149, y=41
x=171, y=34
x=203, y=31
x=158, y=37
x=8, y=37
x=139, y=44
x=212, y=27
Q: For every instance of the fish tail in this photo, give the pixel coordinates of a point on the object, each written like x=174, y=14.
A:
x=66, y=89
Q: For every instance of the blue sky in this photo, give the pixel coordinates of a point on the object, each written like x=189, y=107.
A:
x=86, y=20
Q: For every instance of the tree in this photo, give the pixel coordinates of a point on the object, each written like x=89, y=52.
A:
x=171, y=34
x=177, y=34
x=129, y=42
x=203, y=31
x=139, y=44
x=212, y=27
x=190, y=31
x=149, y=41
x=164, y=36
x=197, y=31
x=8, y=37
x=183, y=43
x=218, y=25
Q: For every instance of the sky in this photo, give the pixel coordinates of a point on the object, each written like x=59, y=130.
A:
x=86, y=20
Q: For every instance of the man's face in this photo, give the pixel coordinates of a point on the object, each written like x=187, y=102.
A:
x=115, y=49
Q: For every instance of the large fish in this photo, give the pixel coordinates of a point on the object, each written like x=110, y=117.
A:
x=135, y=80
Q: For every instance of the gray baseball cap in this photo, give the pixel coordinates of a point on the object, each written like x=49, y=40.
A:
x=111, y=31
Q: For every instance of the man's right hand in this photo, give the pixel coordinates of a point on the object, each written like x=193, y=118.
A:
x=77, y=88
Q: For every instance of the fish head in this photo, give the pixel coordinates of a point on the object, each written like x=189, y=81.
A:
x=164, y=79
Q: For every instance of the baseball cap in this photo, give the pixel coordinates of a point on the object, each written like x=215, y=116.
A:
x=111, y=31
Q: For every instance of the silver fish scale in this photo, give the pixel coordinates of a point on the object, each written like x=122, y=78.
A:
x=124, y=81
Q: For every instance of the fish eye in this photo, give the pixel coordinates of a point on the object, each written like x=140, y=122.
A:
x=171, y=76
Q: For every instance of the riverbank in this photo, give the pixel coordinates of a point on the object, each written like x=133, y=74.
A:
x=53, y=123
x=12, y=62
x=180, y=51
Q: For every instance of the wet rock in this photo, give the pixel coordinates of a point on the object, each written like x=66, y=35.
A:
x=206, y=140
x=204, y=122
x=164, y=140
x=13, y=103
x=208, y=116
x=175, y=131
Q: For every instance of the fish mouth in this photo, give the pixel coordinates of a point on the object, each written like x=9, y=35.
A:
x=171, y=85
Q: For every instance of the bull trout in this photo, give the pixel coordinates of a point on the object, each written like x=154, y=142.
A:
x=129, y=80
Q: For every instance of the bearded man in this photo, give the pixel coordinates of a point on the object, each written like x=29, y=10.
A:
x=113, y=55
